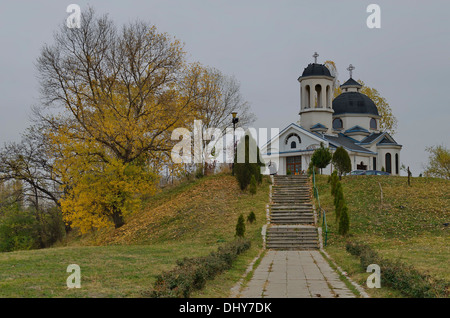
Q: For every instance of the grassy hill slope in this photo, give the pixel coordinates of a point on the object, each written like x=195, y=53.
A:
x=191, y=219
x=408, y=225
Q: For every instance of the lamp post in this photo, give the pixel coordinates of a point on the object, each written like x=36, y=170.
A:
x=234, y=121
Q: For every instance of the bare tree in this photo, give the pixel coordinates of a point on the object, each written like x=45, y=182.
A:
x=216, y=105
x=31, y=162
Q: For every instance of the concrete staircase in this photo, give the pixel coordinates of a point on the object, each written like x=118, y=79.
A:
x=292, y=225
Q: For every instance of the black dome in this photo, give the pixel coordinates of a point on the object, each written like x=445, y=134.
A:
x=316, y=69
x=354, y=103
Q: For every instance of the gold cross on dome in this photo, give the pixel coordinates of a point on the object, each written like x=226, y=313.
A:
x=315, y=56
x=350, y=69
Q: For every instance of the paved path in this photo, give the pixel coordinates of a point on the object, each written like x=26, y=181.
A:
x=295, y=274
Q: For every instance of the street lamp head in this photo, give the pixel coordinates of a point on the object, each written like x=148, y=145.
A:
x=234, y=114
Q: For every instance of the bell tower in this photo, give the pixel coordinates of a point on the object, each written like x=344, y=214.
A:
x=316, y=94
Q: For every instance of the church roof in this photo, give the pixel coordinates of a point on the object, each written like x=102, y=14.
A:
x=318, y=137
x=351, y=82
x=314, y=69
x=383, y=137
x=356, y=128
x=387, y=140
x=347, y=143
x=371, y=138
x=354, y=103
x=318, y=125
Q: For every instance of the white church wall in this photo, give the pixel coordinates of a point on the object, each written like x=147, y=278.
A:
x=306, y=141
x=322, y=101
x=358, y=158
x=382, y=151
x=314, y=116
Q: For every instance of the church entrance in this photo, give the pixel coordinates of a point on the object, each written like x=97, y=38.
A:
x=294, y=165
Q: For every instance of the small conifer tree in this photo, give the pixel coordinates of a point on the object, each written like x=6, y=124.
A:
x=334, y=179
x=251, y=217
x=344, y=221
x=338, y=208
x=252, y=187
x=339, y=194
x=240, y=226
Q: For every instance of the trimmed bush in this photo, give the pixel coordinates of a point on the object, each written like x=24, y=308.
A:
x=400, y=276
x=341, y=160
x=240, y=226
x=321, y=157
x=191, y=274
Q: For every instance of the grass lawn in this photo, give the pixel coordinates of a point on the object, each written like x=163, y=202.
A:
x=407, y=225
x=188, y=220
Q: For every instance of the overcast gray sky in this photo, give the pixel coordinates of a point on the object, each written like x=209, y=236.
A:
x=266, y=44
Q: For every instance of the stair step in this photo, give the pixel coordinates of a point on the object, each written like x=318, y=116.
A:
x=285, y=229
x=291, y=215
x=300, y=237
x=293, y=241
x=293, y=222
x=292, y=212
x=308, y=220
x=289, y=208
x=293, y=237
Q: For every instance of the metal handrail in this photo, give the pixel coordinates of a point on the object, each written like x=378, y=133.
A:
x=321, y=210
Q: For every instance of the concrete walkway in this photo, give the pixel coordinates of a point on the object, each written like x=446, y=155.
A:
x=295, y=274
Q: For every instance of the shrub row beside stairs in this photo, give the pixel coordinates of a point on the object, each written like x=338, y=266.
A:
x=192, y=273
x=400, y=276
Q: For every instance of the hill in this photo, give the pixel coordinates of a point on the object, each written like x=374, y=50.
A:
x=408, y=225
x=190, y=219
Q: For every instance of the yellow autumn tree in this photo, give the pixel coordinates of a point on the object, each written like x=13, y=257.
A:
x=388, y=122
x=119, y=96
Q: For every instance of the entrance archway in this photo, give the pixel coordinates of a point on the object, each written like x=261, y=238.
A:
x=294, y=165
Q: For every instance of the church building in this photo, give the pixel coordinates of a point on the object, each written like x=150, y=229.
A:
x=351, y=120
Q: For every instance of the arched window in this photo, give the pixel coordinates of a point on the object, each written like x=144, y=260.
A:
x=396, y=164
x=293, y=145
x=318, y=96
x=308, y=97
x=328, y=97
x=337, y=123
x=292, y=135
x=388, y=160
x=373, y=123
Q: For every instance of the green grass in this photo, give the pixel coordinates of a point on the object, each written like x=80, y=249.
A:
x=188, y=220
x=106, y=271
x=407, y=225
